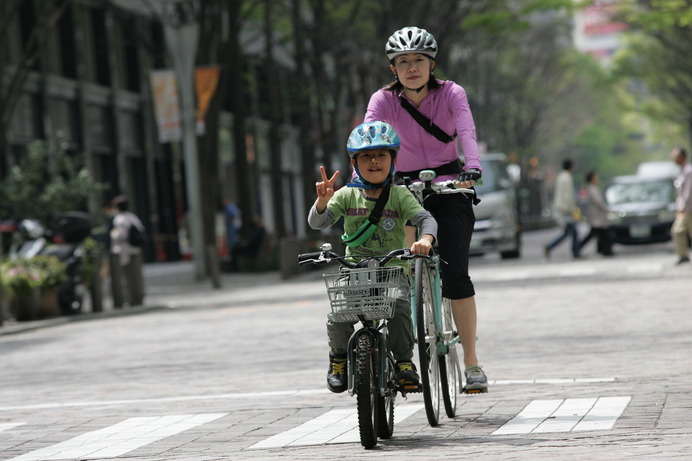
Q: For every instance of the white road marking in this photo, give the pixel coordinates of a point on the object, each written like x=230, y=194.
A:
x=255, y=396
x=335, y=426
x=121, y=438
x=6, y=426
x=588, y=414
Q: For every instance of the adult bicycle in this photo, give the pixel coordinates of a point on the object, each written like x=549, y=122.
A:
x=437, y=337
x=366, y=292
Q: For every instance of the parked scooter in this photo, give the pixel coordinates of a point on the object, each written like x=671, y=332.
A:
x=65, y=242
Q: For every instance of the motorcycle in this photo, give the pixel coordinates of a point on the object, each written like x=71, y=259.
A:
x=65, y=242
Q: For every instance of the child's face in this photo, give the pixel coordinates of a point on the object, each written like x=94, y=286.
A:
x=374, y=165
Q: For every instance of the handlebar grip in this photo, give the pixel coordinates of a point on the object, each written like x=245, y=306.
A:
x=307, y=256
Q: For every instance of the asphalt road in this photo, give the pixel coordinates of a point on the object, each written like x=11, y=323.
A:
x=587, y=359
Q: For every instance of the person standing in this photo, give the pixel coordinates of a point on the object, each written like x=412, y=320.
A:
x=126, y=258
x=682, y=226
x=597, y=217
x=429, y=115
x=564, y=207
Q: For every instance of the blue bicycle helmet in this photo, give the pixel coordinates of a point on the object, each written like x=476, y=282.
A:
x=372, y=135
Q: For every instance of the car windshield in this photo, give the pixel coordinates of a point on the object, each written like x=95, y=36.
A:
x=638, y=192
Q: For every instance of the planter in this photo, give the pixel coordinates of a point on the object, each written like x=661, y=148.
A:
x=48, y=303
x=24, y=304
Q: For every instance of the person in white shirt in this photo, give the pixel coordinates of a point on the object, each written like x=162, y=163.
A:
x=564, y=206
x=126, y=259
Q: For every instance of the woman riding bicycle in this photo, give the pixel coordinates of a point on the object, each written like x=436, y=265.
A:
x=431, y=144
x=373, y=149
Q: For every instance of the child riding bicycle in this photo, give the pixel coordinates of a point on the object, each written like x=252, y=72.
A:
x=372, y=147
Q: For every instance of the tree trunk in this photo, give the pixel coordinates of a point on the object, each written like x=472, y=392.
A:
x=307, y=131
x=246, y=191
x=274, y=96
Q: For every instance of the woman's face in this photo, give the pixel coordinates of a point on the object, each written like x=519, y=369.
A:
x=412, y=69
x=374, y=165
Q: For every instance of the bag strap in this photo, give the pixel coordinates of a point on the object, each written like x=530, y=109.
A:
x=376, y=212
x=368, y=228
x=425, y=122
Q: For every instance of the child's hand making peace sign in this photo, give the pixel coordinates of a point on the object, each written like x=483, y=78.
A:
x=325, y=189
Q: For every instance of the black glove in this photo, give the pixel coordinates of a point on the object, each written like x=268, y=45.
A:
x=472, y=174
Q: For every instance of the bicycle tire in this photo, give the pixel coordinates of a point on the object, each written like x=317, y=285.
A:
x=449, y=363
x=385, y=404
x=427, y=341
x=367, y=390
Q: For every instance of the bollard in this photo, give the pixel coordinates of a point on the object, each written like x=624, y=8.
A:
x=288, y=253
x=213, y=266
x=96, y=282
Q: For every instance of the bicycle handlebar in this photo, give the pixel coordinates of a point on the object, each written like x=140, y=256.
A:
x=327, y=255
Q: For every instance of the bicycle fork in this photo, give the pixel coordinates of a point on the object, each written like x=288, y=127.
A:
x=383, y=358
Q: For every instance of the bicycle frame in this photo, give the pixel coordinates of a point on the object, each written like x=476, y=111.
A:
x=434, y=265
x=437, y=355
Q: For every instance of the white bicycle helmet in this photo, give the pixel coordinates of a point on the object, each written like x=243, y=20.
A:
x=411, y=40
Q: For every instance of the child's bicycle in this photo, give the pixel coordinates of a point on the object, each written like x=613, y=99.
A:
x=366, y=292
x=432, y=317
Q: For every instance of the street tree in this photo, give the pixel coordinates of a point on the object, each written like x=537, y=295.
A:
x=658, y=55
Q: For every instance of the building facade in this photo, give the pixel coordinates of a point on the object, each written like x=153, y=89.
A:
x=89, y=89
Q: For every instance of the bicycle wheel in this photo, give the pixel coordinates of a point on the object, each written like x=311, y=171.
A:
x=427, y=341
x=449, y=363
x=385, y=404
x=367, y=390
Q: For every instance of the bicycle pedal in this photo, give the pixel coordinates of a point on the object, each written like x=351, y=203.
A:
x=474, y=391
x=411, y=387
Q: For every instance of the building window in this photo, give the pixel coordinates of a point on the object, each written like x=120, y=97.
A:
x=68, y=51
x=100, y=46
x=100, y=126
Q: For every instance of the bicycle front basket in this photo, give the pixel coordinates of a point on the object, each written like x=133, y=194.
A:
x=368, y=293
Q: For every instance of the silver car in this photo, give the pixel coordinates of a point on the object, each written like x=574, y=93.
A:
x=642, y=209
x=497, y=224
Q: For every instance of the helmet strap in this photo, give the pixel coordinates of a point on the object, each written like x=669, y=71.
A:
x=364, y=184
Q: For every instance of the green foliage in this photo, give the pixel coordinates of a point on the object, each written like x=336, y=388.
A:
x=20, y=276
x=46, y=182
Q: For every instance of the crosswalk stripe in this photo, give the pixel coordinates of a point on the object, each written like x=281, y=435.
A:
x=335, y=426
x=120, y=438
x=586, y=414
x=6, y=426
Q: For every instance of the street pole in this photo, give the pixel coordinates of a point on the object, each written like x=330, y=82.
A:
x=182, y=40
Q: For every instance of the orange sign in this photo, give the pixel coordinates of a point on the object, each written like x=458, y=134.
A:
x=206, y=80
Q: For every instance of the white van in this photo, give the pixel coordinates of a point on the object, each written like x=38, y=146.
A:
x=497, y=223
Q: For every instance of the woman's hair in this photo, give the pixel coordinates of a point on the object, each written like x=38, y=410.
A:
x=397, y=87
x=590, y=175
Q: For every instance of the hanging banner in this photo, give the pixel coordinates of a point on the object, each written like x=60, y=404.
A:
x=166, y=105
x=206, y=80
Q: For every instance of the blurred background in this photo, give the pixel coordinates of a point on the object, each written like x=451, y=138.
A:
x=187, y=107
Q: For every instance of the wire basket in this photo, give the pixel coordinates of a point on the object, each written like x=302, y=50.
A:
x=368, y=293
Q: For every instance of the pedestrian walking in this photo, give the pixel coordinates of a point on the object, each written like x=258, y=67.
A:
x=597, y=217
x=682, y=226
x=564, y=209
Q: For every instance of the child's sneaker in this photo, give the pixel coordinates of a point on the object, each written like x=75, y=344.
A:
x=406, y=375
x=476, y=381
x=336, y=376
